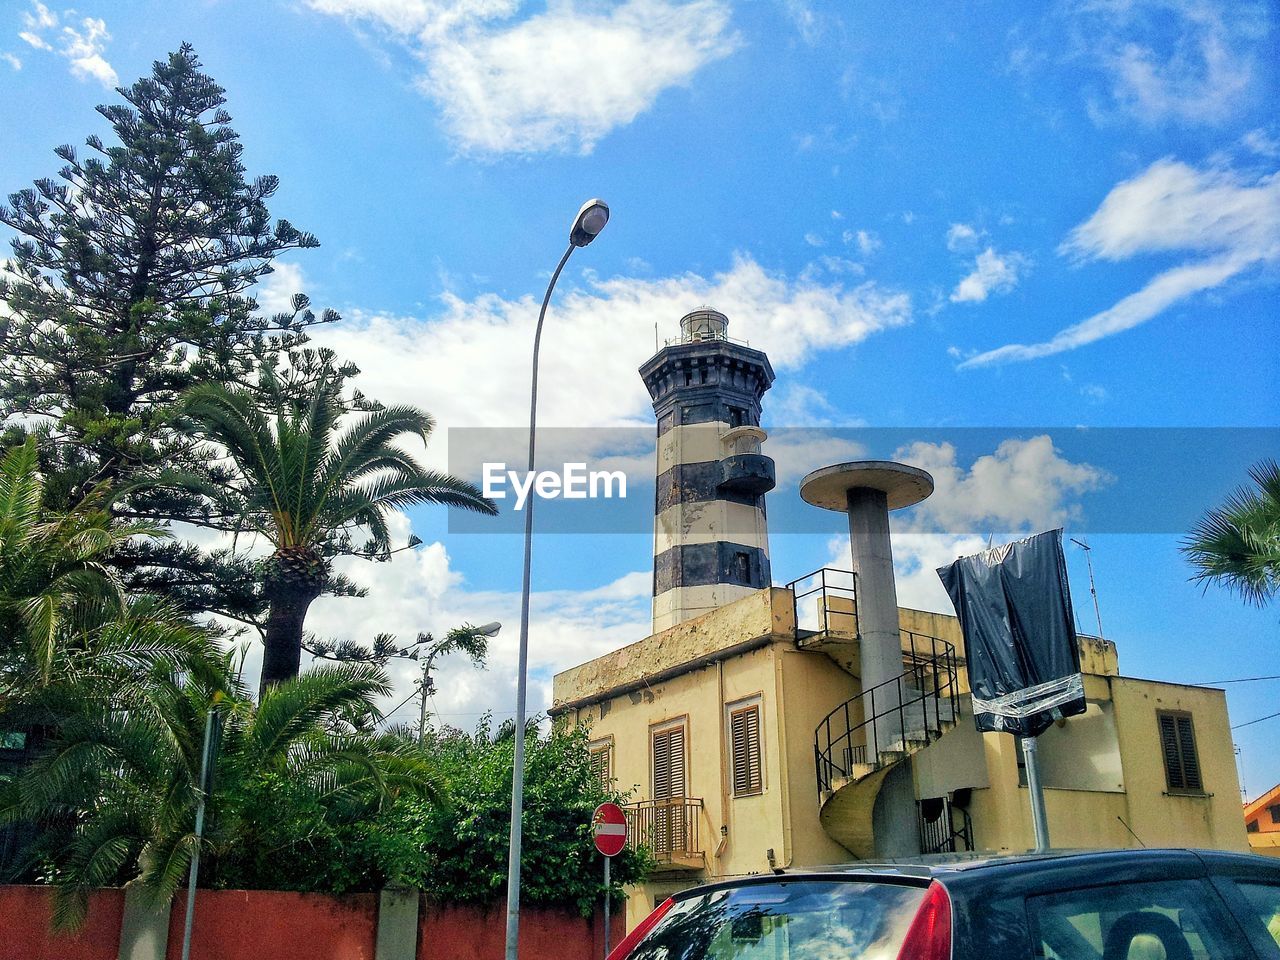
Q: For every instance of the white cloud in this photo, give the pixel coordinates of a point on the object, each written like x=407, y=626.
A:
x=596, y=337
x=82, y=42
x=868, y=242
x=501, y=85
x=1170, y=206
x=916, y=559
x=1192, y=61
x=1094, y=393
x=37, y=20
x=421, y=591
x=1261, y=143
x=84, y=47
x=275, y=291
x=961, y=236
x=1023, y=485
x=807, y=23
x=992, y=273
x=814, y=240
x=11, y=60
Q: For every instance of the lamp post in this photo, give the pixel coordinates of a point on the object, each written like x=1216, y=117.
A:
x=587, y=225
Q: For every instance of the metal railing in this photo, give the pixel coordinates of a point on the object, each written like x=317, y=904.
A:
x=666, y=828
x=918, y=705
x=940, y=834
x=825, y=602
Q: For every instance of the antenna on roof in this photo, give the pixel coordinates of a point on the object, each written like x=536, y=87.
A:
x=1093, y=587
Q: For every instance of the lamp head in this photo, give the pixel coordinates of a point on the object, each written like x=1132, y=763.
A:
x=589, y=222
x=489, y=629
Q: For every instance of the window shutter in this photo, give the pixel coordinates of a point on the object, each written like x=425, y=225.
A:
x=601, y=765
x=1187, y=747
x=1178, y=746
x=1169, y=746
x=744, y=736
x=668, y=763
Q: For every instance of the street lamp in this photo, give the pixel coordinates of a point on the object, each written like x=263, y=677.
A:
x=587, y=225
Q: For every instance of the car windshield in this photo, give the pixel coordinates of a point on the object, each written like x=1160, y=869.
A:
x=787, y=920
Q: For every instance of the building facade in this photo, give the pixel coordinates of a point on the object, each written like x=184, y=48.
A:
x=729, y=731
x=1262, y=823
x=747, y=741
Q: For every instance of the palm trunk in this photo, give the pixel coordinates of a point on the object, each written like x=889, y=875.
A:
x=286, y=614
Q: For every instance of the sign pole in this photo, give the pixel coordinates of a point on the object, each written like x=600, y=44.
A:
x=1039, y=819
x=608, y=889
x=609, y=834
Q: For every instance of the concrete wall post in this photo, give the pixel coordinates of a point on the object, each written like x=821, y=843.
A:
x=144, y=928
x=397, y=925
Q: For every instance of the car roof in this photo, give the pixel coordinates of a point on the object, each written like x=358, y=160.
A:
x=964, y=869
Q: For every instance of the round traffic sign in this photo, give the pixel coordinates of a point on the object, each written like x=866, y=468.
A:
x=609, y=829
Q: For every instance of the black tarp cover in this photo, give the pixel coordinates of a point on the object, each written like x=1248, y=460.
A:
x=1014, y=606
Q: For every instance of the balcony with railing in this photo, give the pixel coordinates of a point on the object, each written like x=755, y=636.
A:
x=669, y=830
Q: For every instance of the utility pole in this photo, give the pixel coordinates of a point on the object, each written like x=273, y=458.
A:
x=426, y=689
x=1093, y=588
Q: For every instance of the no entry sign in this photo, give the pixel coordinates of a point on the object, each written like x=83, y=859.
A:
x=609, y=829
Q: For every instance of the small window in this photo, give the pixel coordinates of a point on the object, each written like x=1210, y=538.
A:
x=744, y=744
x=601, y=755
x=1178, y=746
x=1251, y=826
x=1274, y=810
x=741, y=570
x=737, y=416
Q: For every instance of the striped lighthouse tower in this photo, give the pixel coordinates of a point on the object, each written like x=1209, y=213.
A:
x=710, y=543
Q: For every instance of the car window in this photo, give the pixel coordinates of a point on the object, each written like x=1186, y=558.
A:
x=803, y=920
x=1264, y=900
x=1168, y=920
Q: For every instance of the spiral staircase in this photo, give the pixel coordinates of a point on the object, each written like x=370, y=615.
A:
x=859, y=743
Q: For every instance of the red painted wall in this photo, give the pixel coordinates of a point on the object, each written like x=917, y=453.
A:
x=252, y=924
x=475, y=933
x=24, y=927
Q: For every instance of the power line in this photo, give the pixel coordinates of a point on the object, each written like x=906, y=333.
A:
x=1249, y=723
x=1204, y=683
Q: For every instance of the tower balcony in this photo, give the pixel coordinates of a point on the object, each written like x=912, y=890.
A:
x=747, y=473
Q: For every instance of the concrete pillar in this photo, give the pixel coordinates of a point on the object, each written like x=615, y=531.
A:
x=865, y=491
x=880, y=648
x=397, y=925
x=144, y=929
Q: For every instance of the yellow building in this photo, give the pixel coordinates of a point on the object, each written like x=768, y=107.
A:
x=764, y=727
x=716, y=727
x=1262, y=823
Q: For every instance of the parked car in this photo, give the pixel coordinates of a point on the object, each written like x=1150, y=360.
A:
x=1105, y=905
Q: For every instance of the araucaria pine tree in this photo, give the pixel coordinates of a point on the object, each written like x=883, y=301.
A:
x=130, y=281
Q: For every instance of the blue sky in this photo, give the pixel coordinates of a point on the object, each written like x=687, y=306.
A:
x=1027, y=217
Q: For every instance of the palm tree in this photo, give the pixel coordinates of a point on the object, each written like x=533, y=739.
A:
x=62, y=608
x=116, y=793
x=306, y=488
x=1237, y=545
